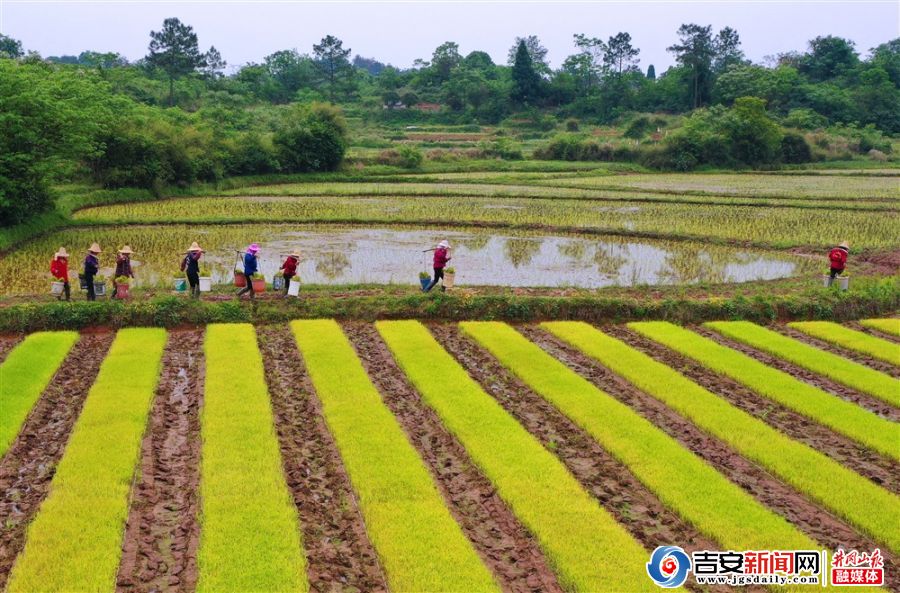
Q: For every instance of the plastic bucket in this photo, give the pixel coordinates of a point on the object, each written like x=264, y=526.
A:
x=181, y=284
x=56, y=288
x=239, y=279
x=278, y=283
x=99, y=288
x=294, y=287
x=122, y=291
x=205, y=283
x=259, y=285
x=843, y=282
x=425, y=282
x=449, y=279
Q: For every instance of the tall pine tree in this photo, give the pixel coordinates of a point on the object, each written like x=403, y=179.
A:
x=526, y=87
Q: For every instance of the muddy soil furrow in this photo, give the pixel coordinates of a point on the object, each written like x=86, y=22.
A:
x=863, y=359
x=845, y=451
x=872, y=332
x=159, y=552
x=7, y=343
x=340, y=556
x=512, y=554
x=868, y=402
x=29, y=464
x=614, y=486
x=818, y=523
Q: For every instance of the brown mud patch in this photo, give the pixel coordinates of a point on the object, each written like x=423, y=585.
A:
x=340, y=557
x=847, y=452
x=816, y=522
x=631, y=503
x=7, y=343
x=510, y=551
x=29, y=464
x=869, y=402
x=159, y=552
x=852, y=355
x=873, y=332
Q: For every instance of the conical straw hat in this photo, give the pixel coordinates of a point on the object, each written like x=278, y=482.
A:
x=127, y=250
x=62, y=252
x=95, y=248
x=194, y=247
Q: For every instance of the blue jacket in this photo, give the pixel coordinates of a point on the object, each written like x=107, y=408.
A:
x=249, y=264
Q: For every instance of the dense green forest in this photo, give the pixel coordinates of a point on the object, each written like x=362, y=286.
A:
x=174, y=117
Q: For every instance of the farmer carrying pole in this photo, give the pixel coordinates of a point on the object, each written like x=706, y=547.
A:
x=91, y=267
x=838, y=258
x=289, y=268
x=123, y=267
x=191, y=265
x=250, y=268
x=441, y=257
x=59, y=268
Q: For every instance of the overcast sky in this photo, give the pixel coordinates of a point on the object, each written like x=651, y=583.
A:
x=400, y=32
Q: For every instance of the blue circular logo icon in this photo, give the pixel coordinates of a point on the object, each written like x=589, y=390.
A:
x=669, y=566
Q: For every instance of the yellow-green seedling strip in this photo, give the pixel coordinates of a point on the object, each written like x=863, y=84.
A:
x=847, y=372
x=250, y=534
x=24, y=376
x=683, y=481
x=862, y=503
x=889, y=325
x=420, y=545
x=841, y=416
x=75, y=542
x=588, y=549
x=852, y=340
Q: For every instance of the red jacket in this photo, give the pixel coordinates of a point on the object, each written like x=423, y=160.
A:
x=290, y=266
x=60, y=269
x=838, y=257
x=440, y=258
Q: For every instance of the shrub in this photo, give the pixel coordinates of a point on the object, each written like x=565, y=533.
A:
x=795, y=149
x=410, y=157
x=313, y=138
x=572, y=125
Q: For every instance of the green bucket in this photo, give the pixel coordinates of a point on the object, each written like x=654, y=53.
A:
x=180, y=284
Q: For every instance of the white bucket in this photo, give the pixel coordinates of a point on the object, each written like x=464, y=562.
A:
x=56, y=288
x=844, y=282
x=449, y=279
x=205, y=283
x=294, y=287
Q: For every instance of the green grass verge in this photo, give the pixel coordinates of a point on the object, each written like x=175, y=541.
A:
x=846, y=372
x=841, y=416
x=587, y=548
x=421, y=546
x=851, y=339
x=25, y=374
x=871, y=508
x=682, y=481
x=250, y=534
x=75, y=542
x=890, y=325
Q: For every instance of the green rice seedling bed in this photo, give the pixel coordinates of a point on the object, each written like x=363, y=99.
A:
x=75, y=541
x=851, y=339
x=717, y=507
x=846, y=372
x=250, y=535
x=420, y=545
x=890, y=325
x=841, y=416
x=25, y=374
x=869, y=507
x=587, y=548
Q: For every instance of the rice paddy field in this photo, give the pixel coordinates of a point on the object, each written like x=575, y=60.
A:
x=401, y=455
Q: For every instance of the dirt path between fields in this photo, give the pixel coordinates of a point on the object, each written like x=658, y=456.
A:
x=340, y=557
x=611, y=483
x=29, y=464
x=852, y=355
x=869, y=402
x=817, y=522
x=7, y=343
x=873, y=332
x=508, y=549
x=159, y=552
x=844, y=450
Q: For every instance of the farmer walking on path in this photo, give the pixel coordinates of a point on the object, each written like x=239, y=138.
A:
x=838, y=258
x=289, y=268
x=441, y=257
x=91, y=267
x=191, y=265
x=123, y=267
x=250, y=268
x=59, y=268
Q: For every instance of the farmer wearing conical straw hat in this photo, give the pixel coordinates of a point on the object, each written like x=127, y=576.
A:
x=191, y=265
x=59, y=268
x=251, y=265
x=91, y=267
x=838, y=258
x=123, y=266
x=289, y=267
